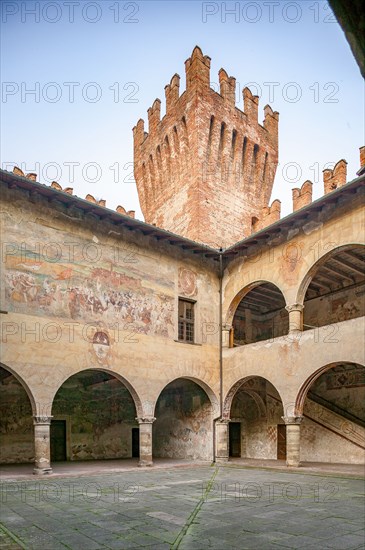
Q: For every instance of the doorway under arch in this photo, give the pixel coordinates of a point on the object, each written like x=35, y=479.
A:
x=256, y=429
x=94, y=416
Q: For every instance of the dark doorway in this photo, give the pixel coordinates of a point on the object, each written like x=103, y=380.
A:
x=58, y=440
x=281, y=442
x=235, y=439
x=135, y=442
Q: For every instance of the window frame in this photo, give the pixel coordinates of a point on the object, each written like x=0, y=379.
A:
x=186, y=321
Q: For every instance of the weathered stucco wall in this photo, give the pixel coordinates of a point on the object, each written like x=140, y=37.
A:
x=318, y=444
x=184, y=423
x=83, y=294
x=16, y=425
x=100, y=415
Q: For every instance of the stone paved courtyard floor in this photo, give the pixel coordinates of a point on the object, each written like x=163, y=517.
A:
x=202, y=507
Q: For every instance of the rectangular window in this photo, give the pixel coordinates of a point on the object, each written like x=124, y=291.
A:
x=186, y=320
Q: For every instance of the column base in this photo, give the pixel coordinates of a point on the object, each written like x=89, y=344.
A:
x=221, y=459
x=145, y=463
x=294, y=465
x=42, y=471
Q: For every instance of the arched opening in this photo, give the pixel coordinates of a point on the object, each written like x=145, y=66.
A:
x=332, y=402
x=94, y=417
x=260, y=315
x=256, y=428
x=184, y=422
x=16, y=421
x=336, y=286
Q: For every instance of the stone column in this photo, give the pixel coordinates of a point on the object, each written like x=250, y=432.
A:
x=295, y=317
x=145, y=440
x=42, y=463
x=293, y=440
x=222, y=440
x=226, y=336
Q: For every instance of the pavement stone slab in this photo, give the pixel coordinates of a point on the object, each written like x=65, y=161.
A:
x=170, y=509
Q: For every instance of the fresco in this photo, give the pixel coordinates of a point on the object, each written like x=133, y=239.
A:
x=100, y=413
x=80, y=291
x=183, y=426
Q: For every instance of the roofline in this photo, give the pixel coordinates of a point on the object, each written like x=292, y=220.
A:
x=349, y=188
x=105, y=213
x=174, y=239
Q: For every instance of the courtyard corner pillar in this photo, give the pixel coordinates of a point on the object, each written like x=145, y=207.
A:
x=145, y=440
x=42, y=449
x=227, y=336
x=295, y=317
x=293, y=440
x=222, y=439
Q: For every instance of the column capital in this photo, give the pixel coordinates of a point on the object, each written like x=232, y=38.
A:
x=226, y=326
x=145, y=419
x=42, y=420
x=294, y=307
x=296, y=420
x=223, y=421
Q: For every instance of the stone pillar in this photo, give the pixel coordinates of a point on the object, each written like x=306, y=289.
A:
x=42, y=462
x=145, y=440
x=226, y=336
x=293, y=440
x=222, y=440
x=295, y=317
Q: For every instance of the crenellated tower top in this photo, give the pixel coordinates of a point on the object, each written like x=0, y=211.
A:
x=206, y=169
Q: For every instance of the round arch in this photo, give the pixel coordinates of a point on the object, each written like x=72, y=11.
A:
x=227, y=403
x=303, y=390
x=203, y=385
x=303, y=287
x=24, y=385
x=243, y=292
x=124, y=381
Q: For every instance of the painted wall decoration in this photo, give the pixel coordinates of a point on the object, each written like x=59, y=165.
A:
x=187, y=282
x=343, y=305
x=101, y=414
x=16, y=424
x=62, y=286
x=183, y=425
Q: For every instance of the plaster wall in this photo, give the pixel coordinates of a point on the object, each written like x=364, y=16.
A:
x=67, y=277
x=16, y=425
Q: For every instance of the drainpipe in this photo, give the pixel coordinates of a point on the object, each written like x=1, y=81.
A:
x=220, y=412
x=220, y=330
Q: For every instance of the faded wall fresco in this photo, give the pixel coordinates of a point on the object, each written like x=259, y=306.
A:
x=340, y=306
x=83, y=281
x=343, y=385
x=254, y=328
x=318, y=444
x=16, y=422
x=258, y=408
x=183, y=425
x=100, y=413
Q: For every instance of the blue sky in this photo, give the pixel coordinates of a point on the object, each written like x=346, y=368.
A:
x=115, y=58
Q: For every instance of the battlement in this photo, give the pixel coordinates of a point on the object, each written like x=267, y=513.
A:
x=69, y=190
x=303, y=196
x=336, y=177
x=206, y=160
x=197, y=69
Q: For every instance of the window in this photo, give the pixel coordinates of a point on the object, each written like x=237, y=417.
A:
x=186, y=320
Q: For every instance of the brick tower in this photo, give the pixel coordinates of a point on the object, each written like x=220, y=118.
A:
x=206, y=170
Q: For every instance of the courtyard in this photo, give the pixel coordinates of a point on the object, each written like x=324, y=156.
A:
x=187, y=507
